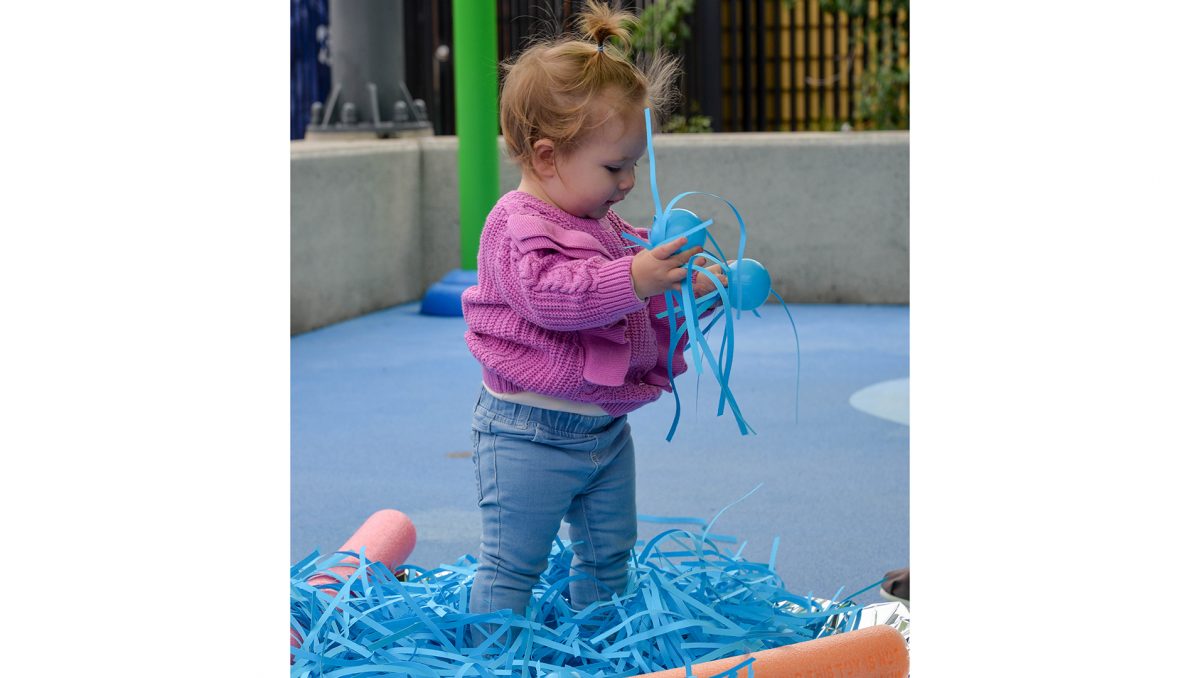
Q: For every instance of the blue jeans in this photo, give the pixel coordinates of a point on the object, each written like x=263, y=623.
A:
x=534, y=467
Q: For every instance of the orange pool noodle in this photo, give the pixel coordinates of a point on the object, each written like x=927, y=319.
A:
x=873, y=652
x=387, y=537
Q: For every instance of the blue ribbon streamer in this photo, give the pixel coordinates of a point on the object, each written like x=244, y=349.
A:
x=685, y=303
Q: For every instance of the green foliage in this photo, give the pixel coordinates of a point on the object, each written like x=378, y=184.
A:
x=696, y=124
x=662, y=26
x=693, y=123
x=877, y=101
x=856, y=8
x=880, y=89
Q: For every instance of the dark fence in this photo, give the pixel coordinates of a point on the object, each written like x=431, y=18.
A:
x=793, y=65
x=428, y=58
x=310, y=68
x=749, y=65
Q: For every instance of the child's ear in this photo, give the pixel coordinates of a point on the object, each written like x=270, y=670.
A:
x=543, y=158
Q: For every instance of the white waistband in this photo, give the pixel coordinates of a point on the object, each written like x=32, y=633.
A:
x=549, y=403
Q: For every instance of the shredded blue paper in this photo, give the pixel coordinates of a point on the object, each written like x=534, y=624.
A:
x=688, y=602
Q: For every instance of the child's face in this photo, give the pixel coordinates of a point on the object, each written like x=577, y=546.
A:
x=600, y=171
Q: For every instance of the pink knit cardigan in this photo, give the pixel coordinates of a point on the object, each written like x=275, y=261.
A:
x=555, y=312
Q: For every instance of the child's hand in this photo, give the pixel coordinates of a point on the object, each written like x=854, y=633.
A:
x=703, y=285
x=656, y=271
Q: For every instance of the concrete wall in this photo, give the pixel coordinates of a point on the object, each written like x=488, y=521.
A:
x=374, y=223
x=439, y=211
x=826, y=213
x=356, y=229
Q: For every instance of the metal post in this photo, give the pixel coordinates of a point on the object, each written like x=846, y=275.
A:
x=476, y=94
x=369, y=97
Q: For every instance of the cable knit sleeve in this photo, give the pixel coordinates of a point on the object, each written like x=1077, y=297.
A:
x=560, y=279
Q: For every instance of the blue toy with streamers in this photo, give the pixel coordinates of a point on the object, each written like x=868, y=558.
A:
x=749, y=287
x=752, y=282
x=680, y=223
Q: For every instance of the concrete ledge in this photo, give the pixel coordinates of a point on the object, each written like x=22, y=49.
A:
x=356, y=237
x=374, y=223
x=826, y=213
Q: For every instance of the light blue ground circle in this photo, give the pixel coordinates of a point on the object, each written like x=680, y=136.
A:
x=886, y=400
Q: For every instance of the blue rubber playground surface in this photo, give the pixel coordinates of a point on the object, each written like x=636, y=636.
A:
x=381, y=411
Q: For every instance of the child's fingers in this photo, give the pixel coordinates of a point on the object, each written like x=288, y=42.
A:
x=665, y=250
x=682, y=258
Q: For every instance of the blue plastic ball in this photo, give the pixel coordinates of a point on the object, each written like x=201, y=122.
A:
x=678, y=221
x=754, y=281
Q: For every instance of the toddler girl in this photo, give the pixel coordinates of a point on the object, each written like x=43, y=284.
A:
x=563, y=318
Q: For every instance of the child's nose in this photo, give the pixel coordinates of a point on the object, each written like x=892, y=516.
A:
x=625, y=183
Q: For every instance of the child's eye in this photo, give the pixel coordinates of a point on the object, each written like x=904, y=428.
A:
x=614, y=170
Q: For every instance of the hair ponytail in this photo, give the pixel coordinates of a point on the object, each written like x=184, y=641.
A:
x=598, y=22
x=551, y=90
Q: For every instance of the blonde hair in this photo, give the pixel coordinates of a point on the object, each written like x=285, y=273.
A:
x=550, y=89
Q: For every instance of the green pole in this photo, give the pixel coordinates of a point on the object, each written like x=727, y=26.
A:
x=476, y=111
